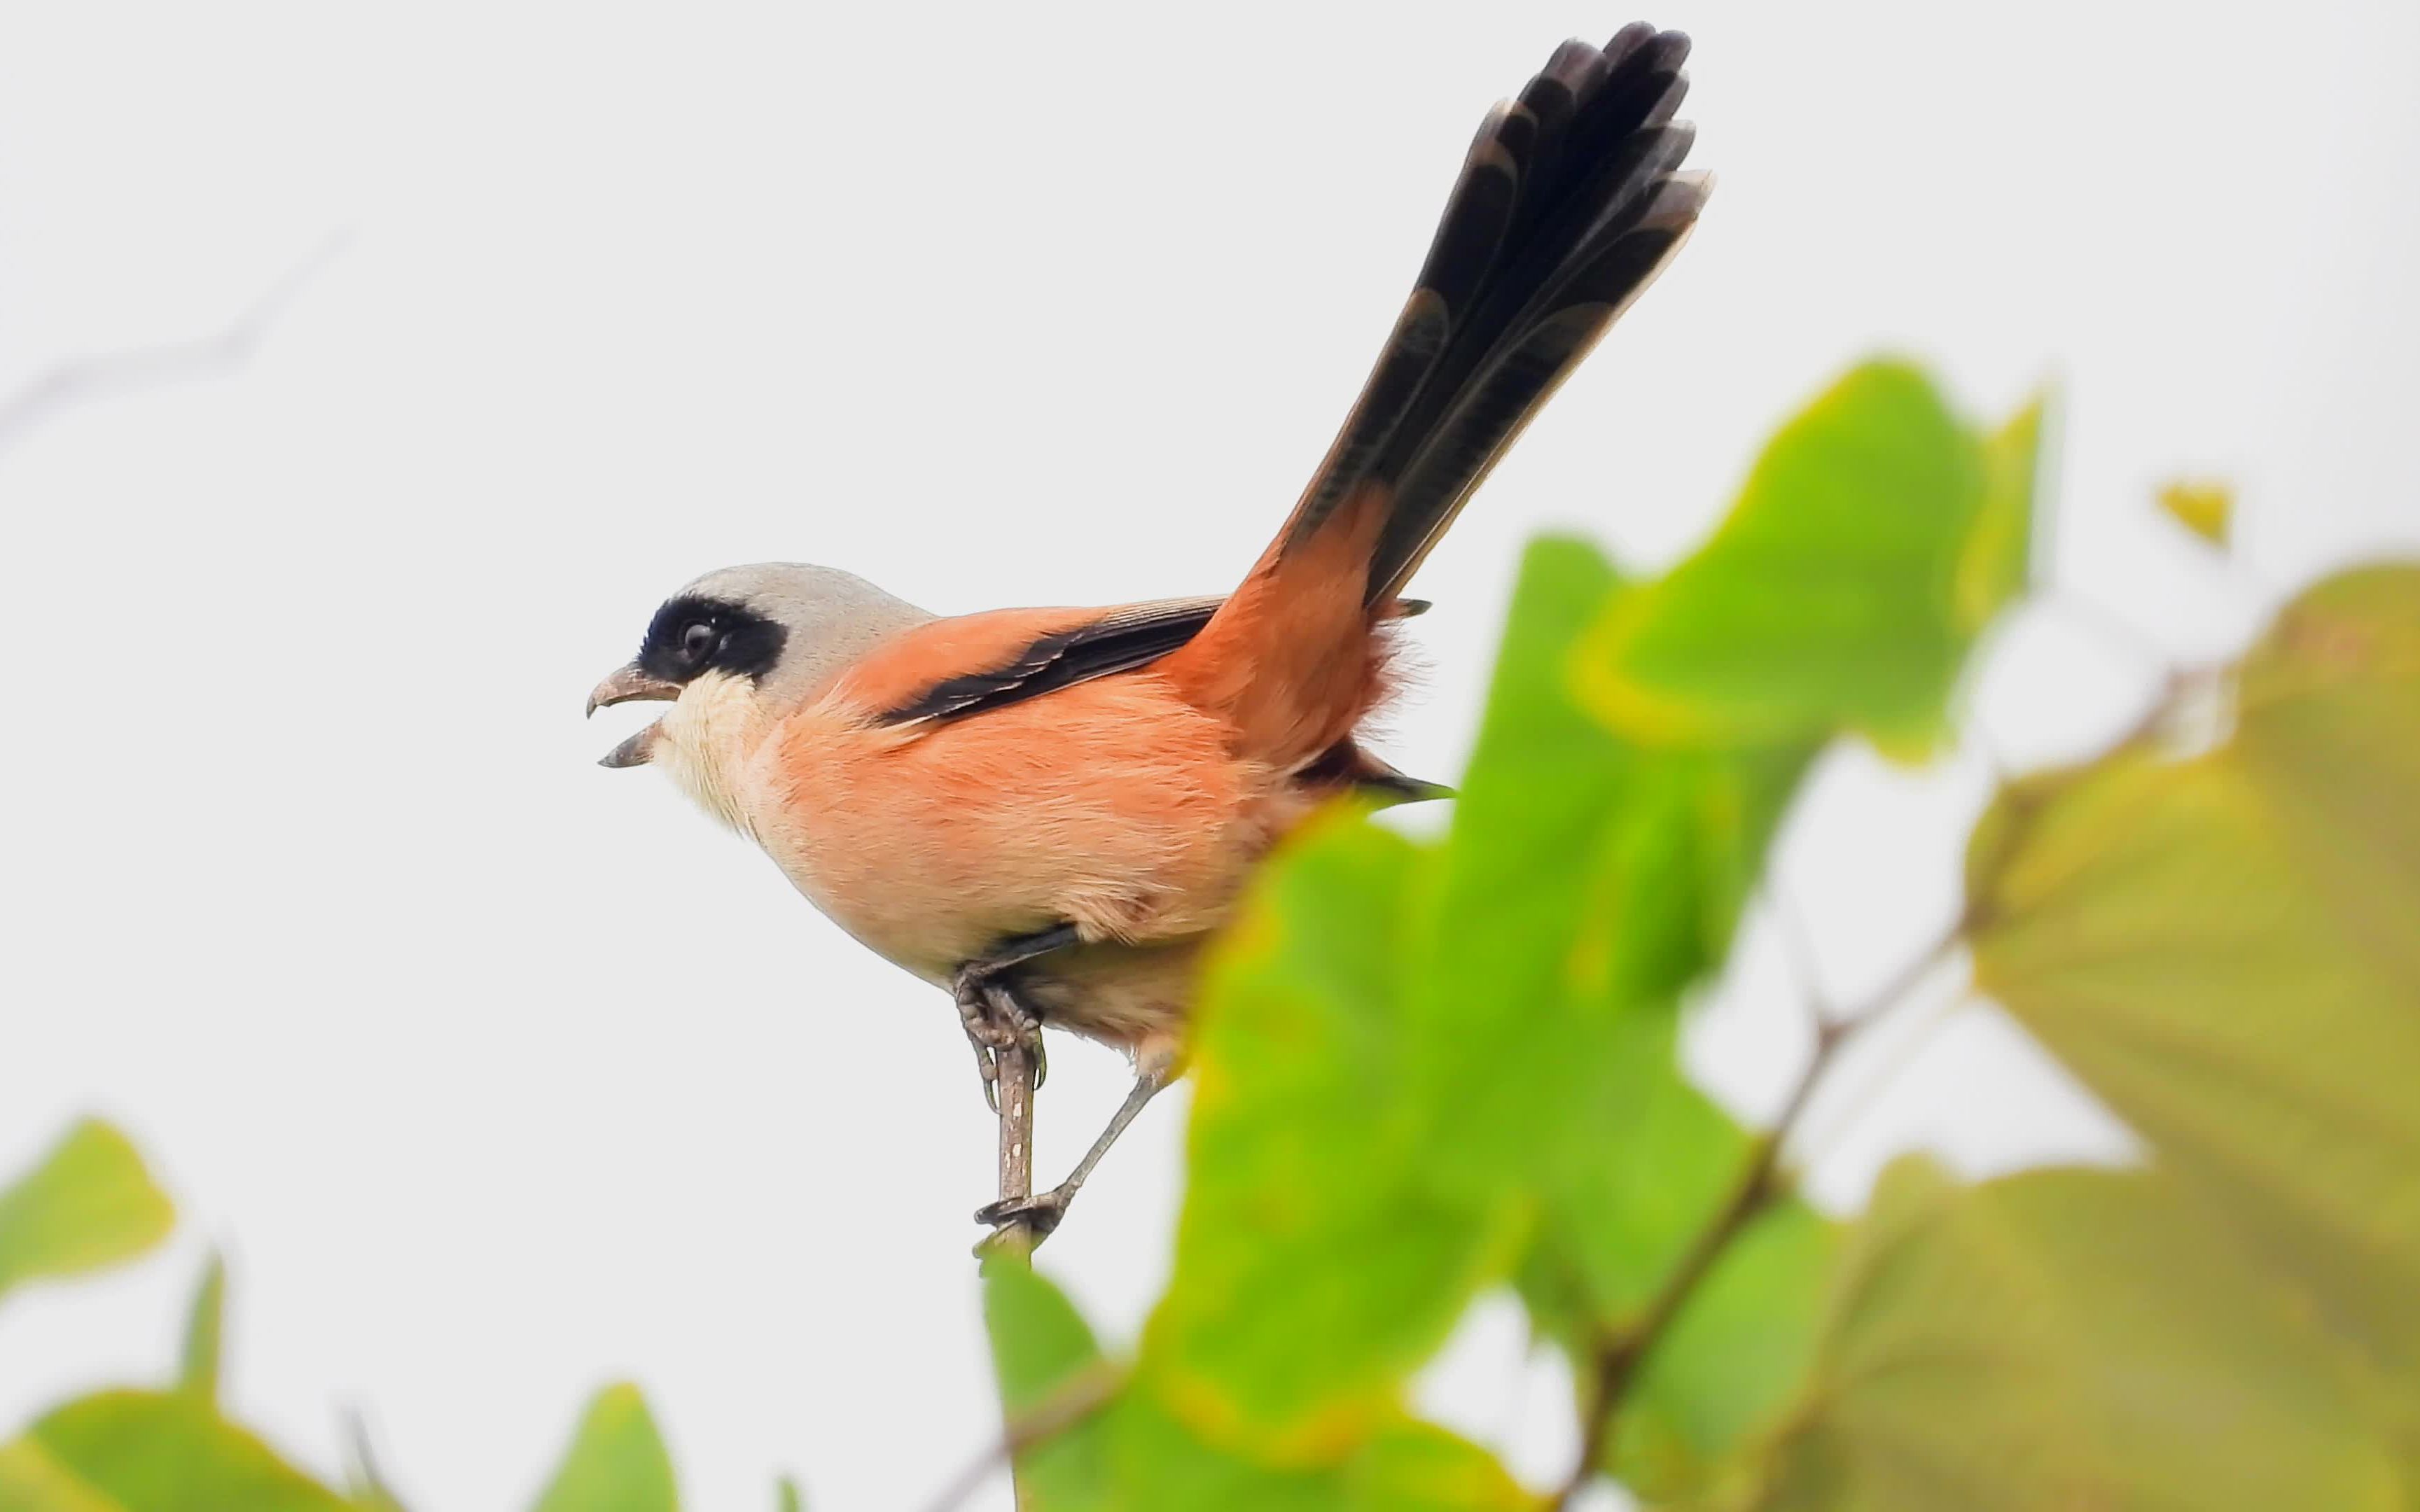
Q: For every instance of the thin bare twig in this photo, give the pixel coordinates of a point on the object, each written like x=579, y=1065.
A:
x=1619, y=1355
x=82, y=378
x=1070, y=1403
x=1016, y=1093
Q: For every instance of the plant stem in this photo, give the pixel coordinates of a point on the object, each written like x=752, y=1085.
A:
x=1621, y=1354
x=1015, y=1092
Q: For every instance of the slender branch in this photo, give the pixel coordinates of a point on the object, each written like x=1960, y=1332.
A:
x=1622, y=1352
x=1016, y=1094
x=1070, y=1403
x=233, y=344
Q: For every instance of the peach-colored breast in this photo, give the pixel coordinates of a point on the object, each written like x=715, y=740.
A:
x=1113, y=804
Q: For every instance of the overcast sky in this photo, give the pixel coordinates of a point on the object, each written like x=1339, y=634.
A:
x=499, y=1075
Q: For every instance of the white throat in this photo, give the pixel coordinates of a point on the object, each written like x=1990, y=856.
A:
x=704, y=741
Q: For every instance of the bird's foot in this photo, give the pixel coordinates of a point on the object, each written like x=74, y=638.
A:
x=996, y=1021
x=1040, y=1212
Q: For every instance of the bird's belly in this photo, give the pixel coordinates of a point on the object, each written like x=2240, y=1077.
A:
x=1107, y=806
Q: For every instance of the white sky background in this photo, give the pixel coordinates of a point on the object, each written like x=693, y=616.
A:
x=501, y=1075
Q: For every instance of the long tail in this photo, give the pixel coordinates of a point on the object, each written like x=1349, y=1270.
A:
x=1568, y=206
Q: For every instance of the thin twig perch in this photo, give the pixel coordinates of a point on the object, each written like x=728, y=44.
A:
x=1015, y=1092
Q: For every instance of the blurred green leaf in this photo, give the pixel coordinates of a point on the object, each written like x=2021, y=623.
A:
x=2224, y=948
x=1042, y=1346
x=1422, y=1066
x=2330, y=730
x=1583, y=878
x=87, y=1203
x=616, y=1461
x=2069, y=1338
x=1875, y=538
x=144, y=1451
x=787, y=1497
x=1312, y=1270
x=2206, y=509
x=1401, y=1466
x=1135, y=1455
x=32, y=1481
x=198, y=1370
x=1588, y=885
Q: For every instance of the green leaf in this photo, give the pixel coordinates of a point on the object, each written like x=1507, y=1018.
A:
x=1587, y=884
x=1875, y=538
x=1402, y=1466
x=1135, y=1452
x=1584, y=879
x=787, y=1497
x=2206, y=509
x=2070, y=1338
x=197, y=1371
x=88, y=1204
x=1311, y=1272
x=1041, y=1346
x=32, y=1481
x=143, y=1451
x=616, y=1461
x=2223, y=949
x=1415, y=1061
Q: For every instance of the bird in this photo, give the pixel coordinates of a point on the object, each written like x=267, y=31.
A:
x=1051, y=812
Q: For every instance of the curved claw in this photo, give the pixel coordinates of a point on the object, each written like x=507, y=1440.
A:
x=989, y=1073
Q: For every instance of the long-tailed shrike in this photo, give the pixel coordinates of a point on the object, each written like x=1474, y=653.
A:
x=1050, y=810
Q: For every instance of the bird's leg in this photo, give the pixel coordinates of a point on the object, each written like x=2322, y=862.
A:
x=993, y=1018
x=1043, y=1213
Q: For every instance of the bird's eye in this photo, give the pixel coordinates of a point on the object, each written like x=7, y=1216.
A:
x=697, y=641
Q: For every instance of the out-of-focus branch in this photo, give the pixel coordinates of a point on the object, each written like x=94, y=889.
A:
x=80, y=379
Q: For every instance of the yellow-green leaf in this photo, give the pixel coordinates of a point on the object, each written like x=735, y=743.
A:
x=2069, y=1338
x=198, y=1369
x=1995, y=563
x=144, y=1451
x=2224, y=948
x=616, y=1461
x=2203, y=507
x=89, y=1203
x=1402, y=1466
x=32, y=1481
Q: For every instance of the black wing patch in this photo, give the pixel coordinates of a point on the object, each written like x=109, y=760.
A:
x=1119, y=641
x=1122, y=639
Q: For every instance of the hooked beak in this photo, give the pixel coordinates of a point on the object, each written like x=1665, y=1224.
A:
x=628, y=685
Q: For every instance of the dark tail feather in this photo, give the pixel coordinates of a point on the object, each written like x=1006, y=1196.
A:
x=1567, y=208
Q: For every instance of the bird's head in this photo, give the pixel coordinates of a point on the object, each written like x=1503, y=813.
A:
x=743, y=643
